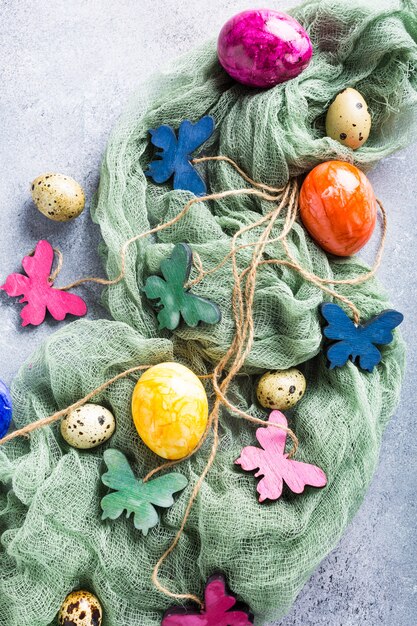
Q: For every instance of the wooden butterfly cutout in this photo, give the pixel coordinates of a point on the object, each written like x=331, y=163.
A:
x=216, y=611
x=357, y=343
x=133, y=495
x=37, y=289
x=5, y=409
x=174, y=298
x=174, y=156
x=275, y=466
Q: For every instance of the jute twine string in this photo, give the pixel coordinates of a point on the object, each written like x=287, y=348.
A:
x=46, y=421
x=234, y=359
x=261, y=192
x=59, y=265
x=242, y=306
x=156, y=229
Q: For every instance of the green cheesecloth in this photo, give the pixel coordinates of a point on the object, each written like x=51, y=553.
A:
x=53, y=539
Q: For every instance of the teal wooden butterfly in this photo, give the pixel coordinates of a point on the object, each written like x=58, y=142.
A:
x=133, y=495
x=174, y=298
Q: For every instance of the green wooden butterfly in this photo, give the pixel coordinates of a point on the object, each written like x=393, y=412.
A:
x=135, y=496
x=174, y=298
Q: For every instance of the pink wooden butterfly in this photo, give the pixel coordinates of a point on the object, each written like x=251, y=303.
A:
x=275, y=466
x=216, y=609
x=37, y=290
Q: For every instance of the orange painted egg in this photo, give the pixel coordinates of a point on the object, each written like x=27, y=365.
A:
x=338, y=207
x=170, y=410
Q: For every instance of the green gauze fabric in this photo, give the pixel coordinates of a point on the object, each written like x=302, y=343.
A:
x=52, y=537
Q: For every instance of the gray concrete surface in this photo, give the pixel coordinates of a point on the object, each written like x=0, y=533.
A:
x=66, y=72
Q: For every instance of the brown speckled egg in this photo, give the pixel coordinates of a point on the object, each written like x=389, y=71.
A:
x=58, y=197
x=80, y=608
x=348, y=120
x=88, y=426
x=281, y=390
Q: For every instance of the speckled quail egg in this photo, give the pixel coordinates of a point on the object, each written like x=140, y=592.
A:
x=281, y=390
x=88, y=426
x=80, y=608
x=58, y=197
x=348, y=120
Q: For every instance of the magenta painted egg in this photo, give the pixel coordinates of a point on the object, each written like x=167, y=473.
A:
x=262, y=48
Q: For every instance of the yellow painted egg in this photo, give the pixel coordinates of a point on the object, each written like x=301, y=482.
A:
x=170, y=410
x=348, y=120
x=88, y=426
x=58, y=197
x=80, y=608
x=281, y=390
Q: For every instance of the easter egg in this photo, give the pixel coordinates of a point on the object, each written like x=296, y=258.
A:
x=5, y=409
x=58, y=197
x=170, y=410
x=338, y=207
x=88, y=426
x=348, y=120
x=80, y=608
x=262, y=48
x=281, y=390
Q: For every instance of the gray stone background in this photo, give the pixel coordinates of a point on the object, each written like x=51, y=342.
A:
x=67, y=69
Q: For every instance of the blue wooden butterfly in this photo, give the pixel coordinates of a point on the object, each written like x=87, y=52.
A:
x=173, y=158
x=5, y=409
x=357, y=342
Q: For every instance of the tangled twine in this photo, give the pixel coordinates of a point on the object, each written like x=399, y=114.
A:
x=242, y=305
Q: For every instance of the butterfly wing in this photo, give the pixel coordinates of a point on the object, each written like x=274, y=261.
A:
x=119, y=474
x=298, y=475
x=34, y=312
x=216, y=596
x=376, y=332
x=60, y=303
x=340, y=326
x=145, y=517
x=379, y=329
x=342, y=330
x=370, y=358
x=187, y=178
x=119, y=477
x=176, y=268
x=196, y=309
x=16, y=285
x=271, y=436
x=270, y=486
x=190, y=137
x=338, y=354
x=159, y=491
x=157, y=289
x=39, y=265
x=163, y=167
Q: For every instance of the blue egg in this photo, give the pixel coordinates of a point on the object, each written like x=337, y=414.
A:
x=5, y=409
